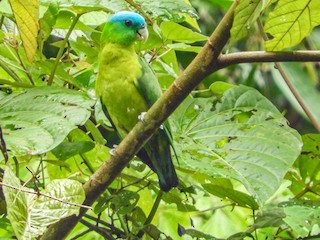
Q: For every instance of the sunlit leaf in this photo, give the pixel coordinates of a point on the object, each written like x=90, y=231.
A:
x=30, y=214
x=26, y=14
x=17, y=204
x=176, y=32
x=290, y=22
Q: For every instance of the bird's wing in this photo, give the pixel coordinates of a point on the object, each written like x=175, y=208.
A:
x=150, y=89
x=148, y=84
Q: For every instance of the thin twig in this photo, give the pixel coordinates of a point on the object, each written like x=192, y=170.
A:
x=24, y=67
x=290, y=85
x=3, y=147
x=46, y=195
x=81, y=234
x=102, y=231
x=64, y=42
x=113, y=229
x=262, y=56
x=143, y=13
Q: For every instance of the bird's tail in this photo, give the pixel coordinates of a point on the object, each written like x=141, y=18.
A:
x=156, y=154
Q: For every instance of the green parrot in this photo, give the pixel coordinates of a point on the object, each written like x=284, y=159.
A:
x=127, y=87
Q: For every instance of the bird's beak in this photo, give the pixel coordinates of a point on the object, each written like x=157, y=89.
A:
x=142, y=34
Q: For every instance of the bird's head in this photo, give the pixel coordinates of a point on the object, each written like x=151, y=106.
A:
x=125, y=28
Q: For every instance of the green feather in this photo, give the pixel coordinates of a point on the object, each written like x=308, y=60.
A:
x=127, y=87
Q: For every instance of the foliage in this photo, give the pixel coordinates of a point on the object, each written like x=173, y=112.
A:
x=245, y=172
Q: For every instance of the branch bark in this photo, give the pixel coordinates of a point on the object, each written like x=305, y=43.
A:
x=262, y=56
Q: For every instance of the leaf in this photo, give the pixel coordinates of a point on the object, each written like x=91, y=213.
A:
x=219, y=87
x=302, y=216
x=240, y=236
x=246, y=13
x=176, y=32
x=301, y=82
x=26, y=14
x=242, y=199
x=309, y=160
x=290, y=22
x=37, y=120
x=243, y=137
x=195, y=234
x=167, y=9
x=125, y=201
x=184, y=47
x=29, y=214
x=47, y=22
x=17, y=205
x=68, y=149
x=83, y=6
x=45, y=211
x=270, y=218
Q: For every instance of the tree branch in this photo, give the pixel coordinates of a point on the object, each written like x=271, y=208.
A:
x=203, y=64
x=262, y=56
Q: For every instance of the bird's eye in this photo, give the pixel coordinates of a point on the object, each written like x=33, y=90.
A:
x=128, y=22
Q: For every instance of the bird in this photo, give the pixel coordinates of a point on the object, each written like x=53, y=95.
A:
x=127, y=87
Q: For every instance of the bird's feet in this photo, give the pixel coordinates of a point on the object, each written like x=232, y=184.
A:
x=113, y=149
x=141, y=117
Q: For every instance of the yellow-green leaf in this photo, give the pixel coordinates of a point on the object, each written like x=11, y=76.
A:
x=290, y=22
x=26, y=14
x=246, y=13
x=174, y=31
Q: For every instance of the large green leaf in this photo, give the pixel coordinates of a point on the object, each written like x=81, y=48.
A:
x=243, y=137
x=290, y=22
x=30, y=214
x=37, y=120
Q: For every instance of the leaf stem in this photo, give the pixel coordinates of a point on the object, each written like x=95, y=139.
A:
x=14, y=84
x=9, y=71
x=152, y=213
x=60, y=52
x=24, y=67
